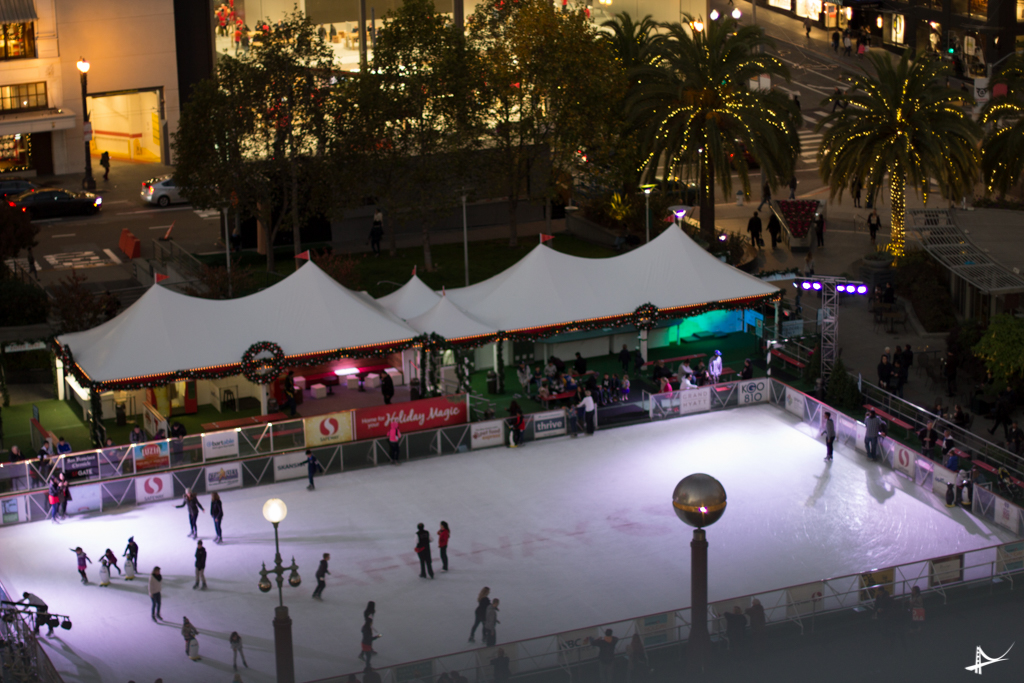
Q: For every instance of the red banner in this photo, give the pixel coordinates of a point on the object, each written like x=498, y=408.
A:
x=428, y=413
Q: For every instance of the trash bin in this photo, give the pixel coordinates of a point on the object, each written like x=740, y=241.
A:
x=492, y=382
x=271, y=405
x=739, y=197
x=414, y=392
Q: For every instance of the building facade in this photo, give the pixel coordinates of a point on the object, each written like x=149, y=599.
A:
x=132, y=82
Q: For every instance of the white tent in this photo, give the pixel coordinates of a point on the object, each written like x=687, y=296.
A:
x=449, y=321
x=165, y=331
x=549, y=288
x=410, y=300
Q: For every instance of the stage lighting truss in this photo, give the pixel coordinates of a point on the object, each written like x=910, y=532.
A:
x=830, y=288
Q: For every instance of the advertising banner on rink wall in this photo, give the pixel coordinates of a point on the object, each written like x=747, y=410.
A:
x=220, y=445
x=657, y=629
x=795, y=402
x=153, y=487
x=88, y=498
x=551, y=423
x=13, y=510
x=290, y=466
x=487, y=434
x=332, y=428
x=151, y=456
x=753, y=391
x=694, y=400
x=227, y=475
x=574, y=646
x=428, y=413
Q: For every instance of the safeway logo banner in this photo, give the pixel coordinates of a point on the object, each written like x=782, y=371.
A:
x=331, y=428
x=224, y=476
x=428, y=413
x=153, y=487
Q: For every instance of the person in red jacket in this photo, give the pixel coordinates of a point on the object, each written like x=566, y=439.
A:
x=442, y=543
x=518, y=423
x=394, y=437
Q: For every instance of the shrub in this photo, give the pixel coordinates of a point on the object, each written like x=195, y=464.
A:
x=923, y=282
x=22, y=303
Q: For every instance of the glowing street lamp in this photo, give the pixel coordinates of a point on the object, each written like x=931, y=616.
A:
x=88, y=183
x=698, y=25
x=736, y=13
x=647, y=196
x=274, y=511
x=714, y=15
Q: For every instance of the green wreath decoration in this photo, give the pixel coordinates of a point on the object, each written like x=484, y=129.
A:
x=645, y=317
x=262, y=370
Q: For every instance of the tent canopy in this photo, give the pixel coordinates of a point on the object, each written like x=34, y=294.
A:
x=449, y=321
x=411, y=299
x=165, y=331
x=549, y=288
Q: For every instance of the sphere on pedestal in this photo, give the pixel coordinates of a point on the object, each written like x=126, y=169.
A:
x=699, y=500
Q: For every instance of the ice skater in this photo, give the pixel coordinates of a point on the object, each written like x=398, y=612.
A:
x=65, y=492
x=394, y=438
x=366, y=650
x=829, y=432
x=236, y=650
x=423, y=551
x=82, y=559
x=312, y=466
x=587, y=404
x=482, y=603
x=42, y=610
x=491, y=623
x=442, y=543
x=321, y=574
x=200, y=566
x=112, y=560
x=194, y=506
x=189, y=633
x=131, y=551
x=715, y=367
x=217, y=513
x=155, y=584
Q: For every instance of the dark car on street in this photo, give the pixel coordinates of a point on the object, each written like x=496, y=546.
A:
x=55, y=203
x=9, y=188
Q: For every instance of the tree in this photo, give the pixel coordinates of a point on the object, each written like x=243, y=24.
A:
x=418, y=116
x=549, y=86
x=699, y=115
x=1002, y=347
x=898, y=119
x=260, y=130
x=215, y=282
x=1002, y=151
x=342, y=267
x=77, y=307
x=632, y=42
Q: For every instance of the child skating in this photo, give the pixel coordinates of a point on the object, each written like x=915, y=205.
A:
x=82, y=559
x=112, y=560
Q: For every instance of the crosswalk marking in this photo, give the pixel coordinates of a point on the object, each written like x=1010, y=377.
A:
x=75, y=259
x=207, y=213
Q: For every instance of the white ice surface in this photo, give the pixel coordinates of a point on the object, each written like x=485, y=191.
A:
x=567, y=533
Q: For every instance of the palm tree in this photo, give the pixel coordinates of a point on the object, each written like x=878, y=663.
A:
x=698, y=113
x=630, y=40
x=1002, y=152
x=898, y=119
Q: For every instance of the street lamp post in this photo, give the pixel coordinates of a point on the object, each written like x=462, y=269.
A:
x=647, y=196
x=698, y=500
x=274, y=511
x=89, y=183
x=465, y=238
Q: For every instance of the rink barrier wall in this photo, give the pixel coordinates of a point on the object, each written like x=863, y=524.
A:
x=115, y=477
x=796, y=606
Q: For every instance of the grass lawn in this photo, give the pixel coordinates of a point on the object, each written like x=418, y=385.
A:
x=374, y=274
x=57, y=416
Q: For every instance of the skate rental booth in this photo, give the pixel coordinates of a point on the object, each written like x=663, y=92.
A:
x=173, y=351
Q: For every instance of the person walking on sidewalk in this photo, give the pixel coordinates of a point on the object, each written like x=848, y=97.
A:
x=874, y=223
x=754, y=228
x=482, y=603
x=423, y=551
x=443, y=534
x=829, y=432
x=377, y=232
x=774, y=229
x=155, y=584
x=200, y=566
x=321, y=577
x=819, y=229
x=105, y=163
x=766, y=197
x=835, y=41
x=312, y=467
x=792, y=180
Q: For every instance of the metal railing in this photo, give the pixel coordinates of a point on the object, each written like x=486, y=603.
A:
x=189, y=267
x=21, y=655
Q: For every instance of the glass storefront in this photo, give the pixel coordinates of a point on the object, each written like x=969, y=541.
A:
x=24, y=96
x=837, y=16
x=896, y=30
x=976, y=9
x=929, y=36
x=809, y=9
x=788, y=4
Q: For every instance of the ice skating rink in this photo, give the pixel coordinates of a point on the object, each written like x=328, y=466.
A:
x=567, y=533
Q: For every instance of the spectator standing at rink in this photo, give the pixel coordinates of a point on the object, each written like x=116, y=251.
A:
x=443, y=535
x=605, y=655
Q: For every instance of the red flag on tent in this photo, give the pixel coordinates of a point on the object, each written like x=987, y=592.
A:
x=159, y=277
x=304, y=255
x=414, y=271
x=544, y=238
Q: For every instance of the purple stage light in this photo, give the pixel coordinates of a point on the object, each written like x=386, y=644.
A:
x=840, y=288
x=816, y=285
x=806, y=285
x=863, y=289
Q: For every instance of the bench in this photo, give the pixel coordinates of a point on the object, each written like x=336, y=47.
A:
x=677, y=359
x=789, y=360
x=243, y=422
x=995, y=473
x=889, y=418
x=554, y=398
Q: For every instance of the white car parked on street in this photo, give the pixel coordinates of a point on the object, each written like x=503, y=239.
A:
x=161, y=191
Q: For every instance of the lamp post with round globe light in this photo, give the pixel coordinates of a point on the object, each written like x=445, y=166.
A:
x=274, y=511
x=699, y=500
x=89, y=183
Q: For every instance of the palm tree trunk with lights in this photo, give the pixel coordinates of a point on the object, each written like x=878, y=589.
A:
x=898, y=197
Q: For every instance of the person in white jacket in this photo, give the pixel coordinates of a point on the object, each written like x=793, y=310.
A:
x=155, y=584
x=588, y=415
x=715, y=367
